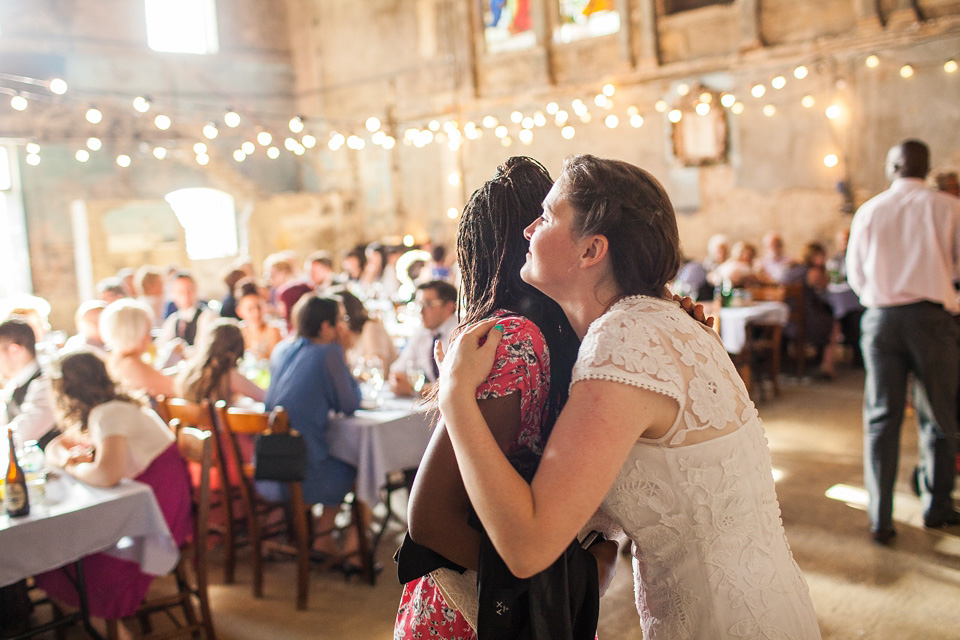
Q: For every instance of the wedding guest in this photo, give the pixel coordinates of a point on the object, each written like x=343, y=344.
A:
x=150, y=290
x=192, y=317
x=658, y=430
x=309, y=378
x=367, y=338
x=110, y=290
x=125, y=327
x=87, y=338
x=228, y=304
x=26, y=397
x=212, y=373
x=318, y=275
x=259, y=335
x=820, y=329
x=438, y=304
x=109, y=436
x=775, y=262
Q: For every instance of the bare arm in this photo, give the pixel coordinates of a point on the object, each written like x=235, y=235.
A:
x=531, y=525
x=240, y=385
x=439, y=506
x=106, y=467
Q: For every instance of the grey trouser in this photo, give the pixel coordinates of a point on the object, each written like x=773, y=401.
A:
x=920, y=338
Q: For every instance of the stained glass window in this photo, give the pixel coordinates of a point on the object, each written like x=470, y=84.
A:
x=586, y=19
x=508, y=25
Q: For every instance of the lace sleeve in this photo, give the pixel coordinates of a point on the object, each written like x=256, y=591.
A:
x=620, y=347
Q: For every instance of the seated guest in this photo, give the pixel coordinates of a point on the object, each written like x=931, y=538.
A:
x=33, y=310
x=318, y=275
x=126, y=277
x=352, y=264
x=740, y=269
x=192, y=317
x=278, y=270
x=110, y=290
x=438, y=304
x=846, y=305
x=212, y=373
x=691, y=281
x=367, y=338
x=775, y=261
x=87, y=338
x=309, y=378
x=109, y=436
x=26, y=397
x=817, y=315
x=718, y=252
x=259, y=335
x=125, y=327
x=228, y=305
x=149, y=283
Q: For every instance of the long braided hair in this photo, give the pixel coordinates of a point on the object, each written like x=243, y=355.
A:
x=491, y=249
x=206, y=375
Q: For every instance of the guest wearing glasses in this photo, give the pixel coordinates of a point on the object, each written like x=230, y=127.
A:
x=438, y=304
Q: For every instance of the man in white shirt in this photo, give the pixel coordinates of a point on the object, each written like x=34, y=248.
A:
x=27, y=398
x=902, y=259
x=187, y=324
x=438, y=303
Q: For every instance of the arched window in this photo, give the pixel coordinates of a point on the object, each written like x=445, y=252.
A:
x=209, y=219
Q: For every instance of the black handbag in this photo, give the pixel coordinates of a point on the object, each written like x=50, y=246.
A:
x=280, y=456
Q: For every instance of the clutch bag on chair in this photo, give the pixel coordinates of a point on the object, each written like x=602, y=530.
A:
x=280, y=456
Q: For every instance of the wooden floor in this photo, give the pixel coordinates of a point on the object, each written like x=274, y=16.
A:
x=910, y=590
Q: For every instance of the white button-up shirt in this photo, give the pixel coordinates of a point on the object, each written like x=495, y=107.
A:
x=905, y=247
x=418, y=352
x=36, y=415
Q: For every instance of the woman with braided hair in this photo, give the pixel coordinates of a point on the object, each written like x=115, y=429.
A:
x=212, y=374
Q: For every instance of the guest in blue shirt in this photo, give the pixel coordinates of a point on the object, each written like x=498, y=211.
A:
x=309, y=378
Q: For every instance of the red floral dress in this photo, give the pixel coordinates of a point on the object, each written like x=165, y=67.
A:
x=522, y=365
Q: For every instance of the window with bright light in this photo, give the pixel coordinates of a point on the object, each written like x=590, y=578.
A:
x=209, y=219
x=586, y=19
x=182, y=26
x=14, y=256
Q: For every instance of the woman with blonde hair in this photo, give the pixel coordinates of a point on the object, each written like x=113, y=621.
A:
x=213, y=374
x=125, y=329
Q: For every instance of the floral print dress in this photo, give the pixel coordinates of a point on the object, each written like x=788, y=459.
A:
x=522, y=365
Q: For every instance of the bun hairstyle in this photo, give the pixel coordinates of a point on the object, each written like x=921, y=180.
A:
x=630, y=208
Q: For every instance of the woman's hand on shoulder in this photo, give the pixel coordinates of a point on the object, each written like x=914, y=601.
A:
x=694, y=310
x=468, y=362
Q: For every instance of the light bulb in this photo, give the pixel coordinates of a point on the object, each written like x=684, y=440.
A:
x=552, y=108
x=199, y=148
x=778, y=82
x=239, y=155
x=769, y=110
x=728, y=99
x=526, y=136
x=19, y=103
x=636, y=121
x=807, y=101
x=950, y=66
x=516, y=117
x=831, y=160
x=248, y=148
x=94, y=144
x=702, y=108
x=296, y=124
x=232, y=120
x=800, y=72
x=93, y=115
x=611, y=121
x=141, y=104
x=309, y=141
x=675, y=116
x=58, y=86
x=162, y=122
x=203, y=159
x=123, y=160
x=32, y=147
x=567, y=132
x=452, y=213
x=737, y=108
x=372, y=124
x=661, y=106
x=159, y=153
x=264, y=138
x=872, y=61
x=906, y=71
x=33, y=159
x=273, y=153
x=82, y=155
x=758, y=90
x=608, y=89
x=210, y=131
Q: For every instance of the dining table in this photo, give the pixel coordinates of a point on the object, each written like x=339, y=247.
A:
x=71, y=520
x=734, y=321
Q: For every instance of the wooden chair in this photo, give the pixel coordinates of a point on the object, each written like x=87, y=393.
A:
x=201, y=415
x=189, y=607
x=239, y=423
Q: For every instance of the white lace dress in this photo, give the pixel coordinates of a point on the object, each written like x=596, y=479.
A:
x=710, y=556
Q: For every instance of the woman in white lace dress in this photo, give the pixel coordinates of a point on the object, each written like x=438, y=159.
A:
x=658, y=432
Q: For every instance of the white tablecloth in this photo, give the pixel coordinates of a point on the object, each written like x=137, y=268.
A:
x=77, y=520
x=734, y=321
x=391, y=438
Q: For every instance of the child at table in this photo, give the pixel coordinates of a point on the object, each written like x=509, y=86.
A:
x=108, y=436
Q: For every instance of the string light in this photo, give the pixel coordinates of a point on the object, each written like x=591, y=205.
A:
x=389, y=142
x=489, y=122
x=19, y=103
x=539, y=119
x=636, y=121
x=737, y=108
x=608, y=90
x=273, y=153
x=561, y=118
x=950, y=66
x=526, y=136
x=94, y=144
x=93, y=115
x=769, y=110
x=507, y=141
x=831, y=160
x=452, y=213
x=633, y=110
x=702, y=108
x=833, y=111
x=552, y=108
x=758, y=90
x=872, y=61
x=707, y=97
x=33, y=159
x=336, y=141
x=295, y=124
x=58, y=86
x=372, y=124
x=355, y=142
x=567, y=132
x=906, y=71
x=210, y=131
x=600, y=100
x=728, y=99
x=675, y=116
x=661, y=106
x=807, y=101
x=199, y=148
x=434, y=125
x=203, y=159
x=239, y=155
x=232, y=119
x=141, y=104
x=163, y=122
x=800, y=72
x=308, y=141
x=453, y=179
x=500, y=132
x=611, y=121
x=516, y=117
x=778, y=82
x=159, y=153
x=123, y=160
x=248, y=148
x=683, y=89
x=378, y=137
x=264, y=138
x=82, y=155
x=32, y=147
x=585, y=117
